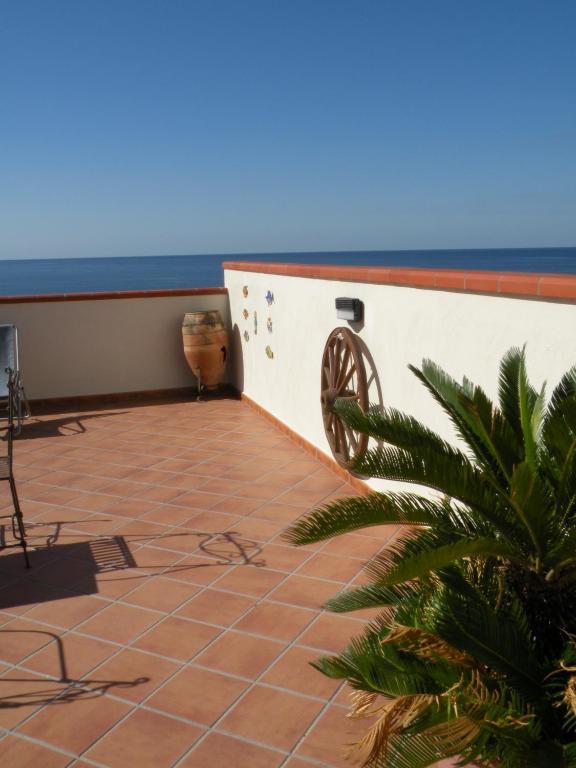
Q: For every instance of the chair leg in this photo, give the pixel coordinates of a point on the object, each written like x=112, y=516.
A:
x=18, y=518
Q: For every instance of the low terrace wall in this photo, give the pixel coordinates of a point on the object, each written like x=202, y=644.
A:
x=464, y=322
x=107, y=343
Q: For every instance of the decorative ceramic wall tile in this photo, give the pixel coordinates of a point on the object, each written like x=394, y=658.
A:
x=245, y=314
x=246, y=336
x=245, y=291
x=255, y=322
x=269, y=352
x=269, y=298
x=269, y=324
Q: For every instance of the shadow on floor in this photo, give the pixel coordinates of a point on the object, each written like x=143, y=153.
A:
x=66, y=690
x=60, y=570
x=61, y=426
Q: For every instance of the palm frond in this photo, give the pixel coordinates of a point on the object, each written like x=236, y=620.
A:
x=508, y=389
x=370, y=596
x=350, y=514
x=418, y=554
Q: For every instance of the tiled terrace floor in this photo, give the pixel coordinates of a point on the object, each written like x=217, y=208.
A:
x=164, y=621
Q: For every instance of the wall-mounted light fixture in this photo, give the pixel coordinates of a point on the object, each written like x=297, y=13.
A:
x=349, y=309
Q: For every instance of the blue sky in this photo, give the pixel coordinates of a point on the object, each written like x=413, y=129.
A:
x=213, y=126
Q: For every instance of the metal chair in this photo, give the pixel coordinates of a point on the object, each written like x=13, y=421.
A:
x=14, y=409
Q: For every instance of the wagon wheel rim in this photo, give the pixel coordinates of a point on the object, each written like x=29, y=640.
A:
x=343, y=377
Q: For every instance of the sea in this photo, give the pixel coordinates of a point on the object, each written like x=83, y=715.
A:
x=45, y=276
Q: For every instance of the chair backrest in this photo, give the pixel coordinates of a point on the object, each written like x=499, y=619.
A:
x=8, y=355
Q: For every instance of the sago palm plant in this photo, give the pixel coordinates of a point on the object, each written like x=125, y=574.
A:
x=473, y=652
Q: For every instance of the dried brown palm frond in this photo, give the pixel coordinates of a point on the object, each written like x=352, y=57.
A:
x=454, y=735
x=426, y=645
x=392, y=717
x=569, y=697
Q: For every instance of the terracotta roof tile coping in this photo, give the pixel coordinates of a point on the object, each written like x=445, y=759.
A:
x=95, y=296
x=536, y=285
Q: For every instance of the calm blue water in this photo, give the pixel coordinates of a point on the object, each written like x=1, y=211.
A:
x=36, y=276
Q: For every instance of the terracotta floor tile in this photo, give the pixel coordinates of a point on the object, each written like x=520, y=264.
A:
x=75, y=726
x=333, y=567
x=284, y=513
x=177, y=465
x=65, y=572
x=167, y=515
x=22, y=693
x=293, y=671
x=282, y=558
x=20, y=753
x=249, y=580
x=177, y=638
x=259, y=530
x=133, y=674
x=184, y=483
x=130, y=508
x=72, y=658
x=332, y=737
x=304, y=591
x=145, y=740
x=215, y=607
x=197, y=570
x=331, y=632
x=113, y=584
x=161, y=493
x=236, y=506
x=198, y=694
x=287, y=717
x=121, y=488
x=210, y=522
x=221, y=486
x=302, y=497
x=258, y=489
x=67, y=611
x=199, y=500
x=120, y=623
x=160, y=594
x=21, y=595
x=91, y=502
x=20, y=638
x=280, y=622
x=153, y=559
x=180, y=539
x=239, y=654
x=295, y=762
x=141, y=531
x=352, y=545
x=227, y=752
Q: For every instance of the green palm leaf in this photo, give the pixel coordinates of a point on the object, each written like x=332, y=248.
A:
x=350, y=514
x=415, y=557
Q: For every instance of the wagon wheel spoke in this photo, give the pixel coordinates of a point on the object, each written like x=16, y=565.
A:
x=343, y=377
x=349, y=375
x=351, y=437
x=329, y=365
x=336, y=367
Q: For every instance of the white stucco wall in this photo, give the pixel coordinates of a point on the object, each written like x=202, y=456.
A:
x=91, y=347
x=466, y=333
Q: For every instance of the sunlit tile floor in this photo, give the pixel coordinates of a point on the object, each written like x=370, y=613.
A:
x=164, y=621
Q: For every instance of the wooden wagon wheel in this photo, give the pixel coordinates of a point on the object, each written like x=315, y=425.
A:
x=343, y=377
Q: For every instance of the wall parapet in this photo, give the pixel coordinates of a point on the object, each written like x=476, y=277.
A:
x=526, y=284
x=101, y=295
